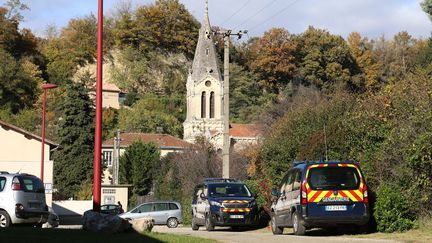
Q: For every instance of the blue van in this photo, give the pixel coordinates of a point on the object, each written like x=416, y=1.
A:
x=223, y=202
x=320, y=194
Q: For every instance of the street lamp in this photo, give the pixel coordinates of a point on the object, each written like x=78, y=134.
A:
x=45, y=87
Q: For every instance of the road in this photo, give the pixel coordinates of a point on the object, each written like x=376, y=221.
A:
x=228, y=236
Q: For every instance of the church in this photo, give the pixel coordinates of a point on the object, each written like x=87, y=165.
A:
x=204, y=97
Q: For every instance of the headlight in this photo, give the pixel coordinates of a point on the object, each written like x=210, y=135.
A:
x=215, y=203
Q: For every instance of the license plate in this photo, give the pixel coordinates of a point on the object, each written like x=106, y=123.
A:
x=236, y=216
x=336, y=208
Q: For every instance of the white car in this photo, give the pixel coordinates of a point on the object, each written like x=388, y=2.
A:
x=162, y=212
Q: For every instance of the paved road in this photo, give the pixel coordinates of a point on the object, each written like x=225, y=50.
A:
x=263, y=236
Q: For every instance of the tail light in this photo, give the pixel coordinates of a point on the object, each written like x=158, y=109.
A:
x=365, y=194
x=16, y=186
x=303, y=193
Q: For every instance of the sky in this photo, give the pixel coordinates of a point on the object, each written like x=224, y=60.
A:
x=372, y=18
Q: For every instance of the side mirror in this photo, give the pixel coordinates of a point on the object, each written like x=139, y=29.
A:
x=203, y=196
x=275, y=192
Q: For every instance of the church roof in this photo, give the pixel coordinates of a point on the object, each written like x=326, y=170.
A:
x=205, y=61
x=244, y=130
x=161, y=140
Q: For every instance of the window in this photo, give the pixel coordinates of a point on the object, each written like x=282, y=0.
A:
x=160, y=207
x=31, y=184
x=334, y=178
x=289, y=183
x=145, y=208
x=297, y=180
x=203, y=104
x=173, y=206
x=2, y=183
x=212, y=105
x=207, y=51
x=107, y=157
x=109, y=191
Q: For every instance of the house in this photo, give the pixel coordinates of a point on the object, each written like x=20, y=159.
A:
x=20, y=151
x=166, y=144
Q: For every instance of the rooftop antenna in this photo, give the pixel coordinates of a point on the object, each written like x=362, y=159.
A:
x=325, y=143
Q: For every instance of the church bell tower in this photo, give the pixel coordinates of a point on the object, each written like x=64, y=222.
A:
x=204, y=90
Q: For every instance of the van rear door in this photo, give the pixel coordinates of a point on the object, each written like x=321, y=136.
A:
x=334, y=190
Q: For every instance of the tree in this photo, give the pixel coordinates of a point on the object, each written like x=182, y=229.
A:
x=273, y=59
x=18, y=89
x=326, y=61
x=137, y=166
x=74, y=157
x=14, y=7
x=427, y=7
x=361, y=50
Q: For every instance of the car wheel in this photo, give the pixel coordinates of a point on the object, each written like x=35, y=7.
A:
x=172, y=223
x=194, y=225
x=209, y=224
x=5, y=220
x=298, y=228
x=275, y=229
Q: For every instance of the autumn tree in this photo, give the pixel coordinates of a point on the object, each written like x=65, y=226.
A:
x=427, y=7
x=273, y=59
x=361, y=50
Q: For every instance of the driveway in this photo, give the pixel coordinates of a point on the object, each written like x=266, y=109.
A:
x=263, y=235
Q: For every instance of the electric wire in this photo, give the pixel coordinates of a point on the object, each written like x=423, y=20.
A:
x=255, y=14
x=274, y=15
x=236, y=12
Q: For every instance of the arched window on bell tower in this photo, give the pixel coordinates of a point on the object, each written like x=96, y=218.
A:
x=212, y=106
x=203, y=104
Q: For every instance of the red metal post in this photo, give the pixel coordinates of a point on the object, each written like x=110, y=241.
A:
x=43, y=136
x=44, y=87
x=98, y=126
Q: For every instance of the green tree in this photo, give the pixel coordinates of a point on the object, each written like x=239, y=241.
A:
x=137, y=165
x=74, y=157
x=326, y=61
x=14, y=10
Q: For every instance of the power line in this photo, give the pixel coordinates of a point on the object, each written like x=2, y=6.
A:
x=255, y=14
x=274, y=15
x=236, y=12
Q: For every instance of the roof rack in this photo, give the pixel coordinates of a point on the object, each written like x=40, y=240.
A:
x=220, y=180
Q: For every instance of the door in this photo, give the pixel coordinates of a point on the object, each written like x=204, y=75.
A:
x=293, y=197
x=160, y=213
x=281, y=208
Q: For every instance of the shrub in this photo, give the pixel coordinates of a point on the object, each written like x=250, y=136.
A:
x=392, y=210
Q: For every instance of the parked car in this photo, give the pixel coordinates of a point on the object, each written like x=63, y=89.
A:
x=22, y=200
x=113, y=209
x=320, y=194
x=223, y=202
x=163, y=212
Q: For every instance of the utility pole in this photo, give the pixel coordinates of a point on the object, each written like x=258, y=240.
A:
x=226, y=139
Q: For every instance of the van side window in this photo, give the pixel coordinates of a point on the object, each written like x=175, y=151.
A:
x=289, y=183
x=297, y=180
x=2, y=183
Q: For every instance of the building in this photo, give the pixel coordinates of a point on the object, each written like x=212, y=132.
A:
x=20, y=151
x=205, y=97
x=166, y=143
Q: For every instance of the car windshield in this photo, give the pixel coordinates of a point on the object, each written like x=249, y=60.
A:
x=333, y=178
x=228, y=190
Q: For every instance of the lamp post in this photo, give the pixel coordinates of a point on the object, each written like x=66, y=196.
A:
x=45, y=87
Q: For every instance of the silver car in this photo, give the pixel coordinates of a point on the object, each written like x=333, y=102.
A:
x=22, y=200
x=162, y=212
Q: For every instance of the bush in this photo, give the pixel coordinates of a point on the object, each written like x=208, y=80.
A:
x=392, y=210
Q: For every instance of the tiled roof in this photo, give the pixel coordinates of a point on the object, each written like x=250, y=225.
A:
x=162, y=140
x=110, y=87
x=244, y=130
x=26, y=134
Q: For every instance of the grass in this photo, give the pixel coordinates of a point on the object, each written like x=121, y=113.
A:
x=422, y=234
x=36, y=235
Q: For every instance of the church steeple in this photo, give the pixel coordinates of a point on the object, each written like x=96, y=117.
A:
x=205, y=60
x=204, y=89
